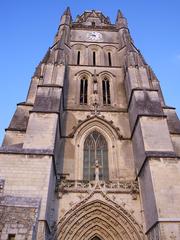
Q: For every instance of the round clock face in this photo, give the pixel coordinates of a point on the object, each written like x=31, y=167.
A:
x=94, y=36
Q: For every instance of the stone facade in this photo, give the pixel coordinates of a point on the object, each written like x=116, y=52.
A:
x=19, y=217
x=92, y=82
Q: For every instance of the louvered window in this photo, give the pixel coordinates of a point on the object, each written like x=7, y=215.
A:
x=109, y=59
x=83, y=91
x=78, y=57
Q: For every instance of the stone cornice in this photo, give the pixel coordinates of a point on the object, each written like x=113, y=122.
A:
x=21, y=151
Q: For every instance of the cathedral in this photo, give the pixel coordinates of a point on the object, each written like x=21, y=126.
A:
x=93, y=153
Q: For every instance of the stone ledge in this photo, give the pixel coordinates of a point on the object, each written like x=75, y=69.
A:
x=160, y=154
x=139, y=89
x=50, y=85
x=9, y=200
x=15, y=129
x=162, y=220
x=8, y=150
x=45, y=111
x=25, y=104
x=145, y=115
x=155, y=155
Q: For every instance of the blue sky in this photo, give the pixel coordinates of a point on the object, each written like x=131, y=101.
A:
x=28, y=27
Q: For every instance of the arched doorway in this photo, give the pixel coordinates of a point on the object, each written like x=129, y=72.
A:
x=95, y=150
x=98, y=220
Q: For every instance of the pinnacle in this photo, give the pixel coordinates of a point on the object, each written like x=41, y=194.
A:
x=67, y=11
x=121, y=20
x=119, y=14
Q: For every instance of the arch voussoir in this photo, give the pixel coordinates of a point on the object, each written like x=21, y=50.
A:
x=100, y=221
x=96, y=233
x=103, y=217
x=93, y=229
x=97, y=216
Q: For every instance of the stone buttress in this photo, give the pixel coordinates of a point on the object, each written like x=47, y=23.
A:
x=92, y=83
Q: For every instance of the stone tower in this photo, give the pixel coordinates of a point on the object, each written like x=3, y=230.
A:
x=93, y=153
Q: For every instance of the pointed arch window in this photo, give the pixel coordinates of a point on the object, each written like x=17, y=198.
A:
x=83, y=90
x=95, y=149
x=106, y=91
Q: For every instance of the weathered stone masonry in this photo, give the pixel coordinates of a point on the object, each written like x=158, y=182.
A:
x=93, y=153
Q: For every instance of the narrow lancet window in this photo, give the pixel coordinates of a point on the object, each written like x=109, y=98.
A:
x=106, y=92
x=83, y=91
x=109, y=59
x=95, y=151
x=78, y=58
x=94, y=58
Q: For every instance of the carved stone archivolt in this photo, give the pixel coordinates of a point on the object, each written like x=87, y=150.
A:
x=103, y=218
x=94, y=117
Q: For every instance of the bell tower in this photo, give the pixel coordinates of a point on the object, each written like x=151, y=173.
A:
x=93, y=153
